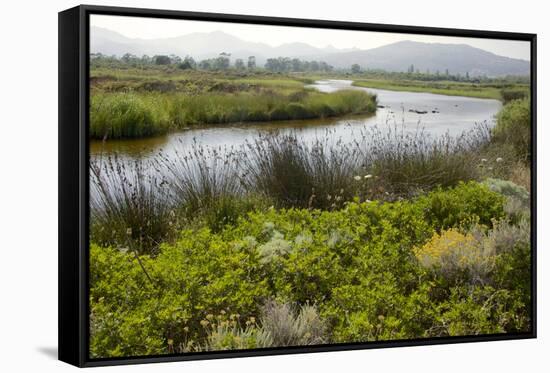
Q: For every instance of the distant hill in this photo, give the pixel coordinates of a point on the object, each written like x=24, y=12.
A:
x=457, y=58
x=198, y=45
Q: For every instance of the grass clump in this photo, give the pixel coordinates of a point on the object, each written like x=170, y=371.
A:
x=406, y=163
x=228, y=333
x=125, y=115
x=294, y=173
x=130, y=206
x=292, y=326
x=199, y=177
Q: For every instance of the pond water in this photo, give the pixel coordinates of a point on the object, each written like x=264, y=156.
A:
x=436, y=114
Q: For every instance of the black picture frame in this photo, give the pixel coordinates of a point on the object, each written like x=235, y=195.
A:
x=74, y=175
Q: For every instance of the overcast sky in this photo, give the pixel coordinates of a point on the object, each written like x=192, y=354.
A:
x=152, y=28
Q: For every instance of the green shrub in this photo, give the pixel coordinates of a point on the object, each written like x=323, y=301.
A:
x=466, y=204
x=509, y=189
x=518, y=201
x=215, y=290
x=121, y=300
x=483, y=310
x=197, y=276
x=514, y=126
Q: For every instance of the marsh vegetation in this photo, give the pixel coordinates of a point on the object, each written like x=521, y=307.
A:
x=282, y=240
x=124, y=108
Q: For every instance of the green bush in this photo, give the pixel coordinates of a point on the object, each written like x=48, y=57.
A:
x=509, y=189
x=514, y=126
x=518, y=201
x=482, y=310
x=158, y=298
x=356, y=265
x=468, y=203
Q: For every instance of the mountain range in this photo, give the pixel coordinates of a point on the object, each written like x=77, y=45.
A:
x=399, y=56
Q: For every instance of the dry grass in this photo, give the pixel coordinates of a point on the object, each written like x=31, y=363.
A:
x=291, y=326
x=520, y=174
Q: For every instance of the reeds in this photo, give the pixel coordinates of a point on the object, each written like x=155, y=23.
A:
x=407, y=162
x=133, y=114
x=205, y=184
x=295, y=173
x=131, y=206
x=143, y=203
x=125, y=115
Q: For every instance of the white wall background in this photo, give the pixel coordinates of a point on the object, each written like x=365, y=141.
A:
x=28, y=185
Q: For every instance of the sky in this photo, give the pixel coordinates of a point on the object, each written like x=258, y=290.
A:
x=154, y=28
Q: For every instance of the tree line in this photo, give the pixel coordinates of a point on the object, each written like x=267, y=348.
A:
x=286, y=64
x=414, y=73
x=221, y=62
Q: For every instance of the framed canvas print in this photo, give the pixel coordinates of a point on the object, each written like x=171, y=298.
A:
x=236, y=186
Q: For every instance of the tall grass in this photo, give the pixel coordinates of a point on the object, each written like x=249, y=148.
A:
x=121, y=115
x=296, y=174
x=201, y=175
x=125, y=115
x=205, y=185
x=404, y=163
x=216, y=186
x=131, y=206
x=379, y=164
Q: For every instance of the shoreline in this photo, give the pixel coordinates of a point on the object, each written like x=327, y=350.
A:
x=420, y=89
